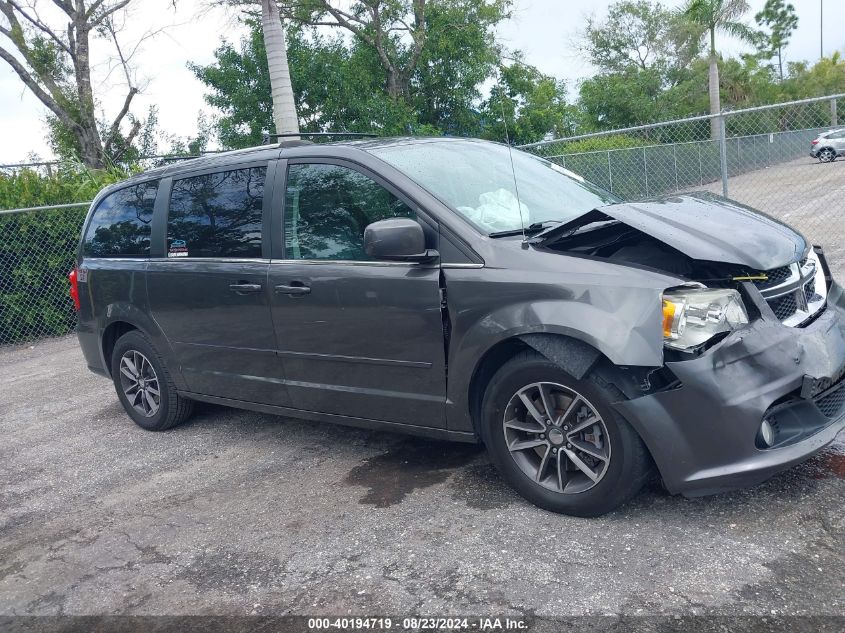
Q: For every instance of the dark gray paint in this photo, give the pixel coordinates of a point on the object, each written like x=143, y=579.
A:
x=705, y=227
x=365, y=343
x=395, y=239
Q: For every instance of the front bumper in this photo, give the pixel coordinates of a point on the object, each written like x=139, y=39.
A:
x=703, y=435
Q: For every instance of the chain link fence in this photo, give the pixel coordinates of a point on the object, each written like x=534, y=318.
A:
x=37, y=250
x=758, y=156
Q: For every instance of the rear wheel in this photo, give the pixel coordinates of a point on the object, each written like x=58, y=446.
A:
x=144, y=385
x=558, y=441
x=827, y=155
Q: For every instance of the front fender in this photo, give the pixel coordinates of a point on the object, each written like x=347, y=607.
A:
x=617, y=315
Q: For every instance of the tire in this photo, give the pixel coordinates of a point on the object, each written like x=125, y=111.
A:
x=150, y=412
x=566, y=489
x=827, y=155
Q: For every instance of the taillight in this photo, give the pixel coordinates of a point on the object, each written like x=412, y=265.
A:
x=816, y=142
x=74, y=288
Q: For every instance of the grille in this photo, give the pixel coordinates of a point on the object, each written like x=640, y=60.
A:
x=784, y=307
x=810, y=291
x=776, y=276
x=792, y=309
x=831, y=405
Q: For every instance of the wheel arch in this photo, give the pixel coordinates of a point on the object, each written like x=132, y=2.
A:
x=571, y=354
x=108, y=340
x=119, y=318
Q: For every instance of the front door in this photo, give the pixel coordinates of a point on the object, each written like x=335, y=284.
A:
x=357, y=337
x=209, y=293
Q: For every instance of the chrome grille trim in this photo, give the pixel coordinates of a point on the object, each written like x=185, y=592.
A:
x=798, y=296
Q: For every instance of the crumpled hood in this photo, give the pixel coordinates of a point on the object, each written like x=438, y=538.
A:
x=708, y=227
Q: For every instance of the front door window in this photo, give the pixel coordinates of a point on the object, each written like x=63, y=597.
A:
x=327, y=208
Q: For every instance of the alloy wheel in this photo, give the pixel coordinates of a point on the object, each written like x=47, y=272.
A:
x=556, y=437
x=826, y=155
x=139, y=382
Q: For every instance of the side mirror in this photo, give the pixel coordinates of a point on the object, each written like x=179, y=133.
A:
x=398, y=239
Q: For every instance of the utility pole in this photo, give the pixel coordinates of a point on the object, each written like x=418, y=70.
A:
x=821, y=30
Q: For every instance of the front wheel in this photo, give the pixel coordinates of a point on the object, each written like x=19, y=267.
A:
x=558, y=441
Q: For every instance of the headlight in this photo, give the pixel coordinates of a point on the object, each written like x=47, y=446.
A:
x=692, y=317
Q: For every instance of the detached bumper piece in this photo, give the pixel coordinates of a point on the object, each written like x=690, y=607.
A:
x=710, y=433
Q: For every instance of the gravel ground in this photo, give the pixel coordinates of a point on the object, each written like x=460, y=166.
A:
x=240, y=513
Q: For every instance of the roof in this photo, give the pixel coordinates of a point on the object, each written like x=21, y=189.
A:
x=276, y=150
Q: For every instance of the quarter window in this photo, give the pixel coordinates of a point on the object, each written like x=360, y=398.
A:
x=217, y=215
x=327, y=208
x=120, y=225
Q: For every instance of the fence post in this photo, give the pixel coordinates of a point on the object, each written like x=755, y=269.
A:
x=700, y=170
x=609, y=172
x=675, y=160
x=833, y=117
x=723, y=153
x=645, y=173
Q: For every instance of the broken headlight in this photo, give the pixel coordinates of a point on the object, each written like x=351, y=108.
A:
x=691, y=317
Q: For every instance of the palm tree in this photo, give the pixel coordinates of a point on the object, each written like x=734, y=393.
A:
x=284, y=108
x=712, y=16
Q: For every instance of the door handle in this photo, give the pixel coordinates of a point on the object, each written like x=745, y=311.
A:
x=245, y=288
x=294, y=291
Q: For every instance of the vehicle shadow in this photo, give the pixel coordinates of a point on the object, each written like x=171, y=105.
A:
x=389, y=466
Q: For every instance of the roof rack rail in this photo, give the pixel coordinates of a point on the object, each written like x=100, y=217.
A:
x=268, y=137
x=292, y=134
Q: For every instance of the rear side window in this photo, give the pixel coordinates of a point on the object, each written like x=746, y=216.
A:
x=217, y=215
x=120, y=225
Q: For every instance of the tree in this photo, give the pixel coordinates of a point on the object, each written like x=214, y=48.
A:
x=644, y=36
x=284, y=109
x=525, y=106
x=54, y=63
x=825, y=77
x=622, y=99
x=396, y=30
x=339, y=82
x=781, y=20
x=713, y=16
x=337, y=87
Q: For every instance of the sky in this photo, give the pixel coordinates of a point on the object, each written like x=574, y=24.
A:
x=545, y=30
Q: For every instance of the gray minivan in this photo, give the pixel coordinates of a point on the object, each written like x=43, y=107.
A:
x=457, y=289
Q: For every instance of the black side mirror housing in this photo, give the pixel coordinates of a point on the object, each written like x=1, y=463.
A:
x=397, y=239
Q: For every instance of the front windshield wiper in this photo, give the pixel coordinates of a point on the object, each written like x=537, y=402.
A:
x=590, y=220
x=532, y=228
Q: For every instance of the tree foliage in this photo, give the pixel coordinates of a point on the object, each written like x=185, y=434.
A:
x=339, y=82
x=53, y=60
x=38, y=249
x=641, y=35
x=781, y=21
x=525, y=106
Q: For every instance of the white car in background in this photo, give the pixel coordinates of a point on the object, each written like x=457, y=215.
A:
x=828, y=145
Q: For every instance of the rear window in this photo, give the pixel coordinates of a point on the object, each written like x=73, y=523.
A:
x=120, y=225
x=217, y=215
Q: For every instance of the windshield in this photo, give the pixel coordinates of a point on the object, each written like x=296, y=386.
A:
x=475, y=178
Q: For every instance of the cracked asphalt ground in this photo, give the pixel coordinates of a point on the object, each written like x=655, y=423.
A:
x=241, y=513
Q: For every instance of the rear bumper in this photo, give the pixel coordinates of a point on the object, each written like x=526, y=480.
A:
x=703, y=435
x=89, y=342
